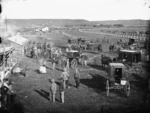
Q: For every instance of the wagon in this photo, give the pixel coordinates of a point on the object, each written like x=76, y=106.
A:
x=90, y=46
x=117, y=78
x=132, y=59
x=74, y=57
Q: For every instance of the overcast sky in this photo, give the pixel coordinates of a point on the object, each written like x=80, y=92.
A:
x=77, y=9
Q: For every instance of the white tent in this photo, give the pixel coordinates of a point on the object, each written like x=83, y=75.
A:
x=18, y=39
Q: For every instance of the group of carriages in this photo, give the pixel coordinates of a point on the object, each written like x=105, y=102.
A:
x=84, y=45
x=131, y=45
x=55, y=55
x=129, y=62
x=121, y=68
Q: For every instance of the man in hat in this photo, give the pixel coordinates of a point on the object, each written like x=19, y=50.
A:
x=65, y=77
x=53, y=88
x=77, y=78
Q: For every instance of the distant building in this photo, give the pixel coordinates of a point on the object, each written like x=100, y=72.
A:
x=37, y=30
x=45, y=29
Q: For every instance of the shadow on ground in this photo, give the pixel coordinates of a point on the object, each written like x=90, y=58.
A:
x=98, y=67
x=43, y=93
x=97, y=82
x=123, y=109
x=139, y=83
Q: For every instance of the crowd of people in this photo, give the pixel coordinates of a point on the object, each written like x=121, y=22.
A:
x=63, y=84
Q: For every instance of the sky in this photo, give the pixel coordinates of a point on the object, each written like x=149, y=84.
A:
x=92, y=10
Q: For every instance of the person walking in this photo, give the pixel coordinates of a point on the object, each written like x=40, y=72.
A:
x=77, y=78
x=65, y=77
x=53, y=89
x=62, y=90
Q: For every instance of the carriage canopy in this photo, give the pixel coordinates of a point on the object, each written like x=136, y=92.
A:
x=73, y=54
x=116, y=70
x=130, y=55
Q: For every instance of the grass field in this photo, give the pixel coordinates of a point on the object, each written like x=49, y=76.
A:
x=33, y=91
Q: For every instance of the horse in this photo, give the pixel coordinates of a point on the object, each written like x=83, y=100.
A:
x=99, y=48
x=105, y=61
x=111, y=48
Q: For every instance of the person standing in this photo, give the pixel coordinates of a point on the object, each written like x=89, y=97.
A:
x=65, y=77
x=53, y=64
x=0, y=93
x=77, y=78
x=53, y=89
x=6, y=92
x=67, y=66
x=62, y=90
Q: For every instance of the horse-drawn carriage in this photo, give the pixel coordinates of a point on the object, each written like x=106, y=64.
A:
x=90, y=46
x=74, y=58
x=78, y=44
x=132, y=59
x=117, y=78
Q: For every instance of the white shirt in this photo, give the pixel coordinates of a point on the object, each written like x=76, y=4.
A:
x=2, y=75
x=65, y=75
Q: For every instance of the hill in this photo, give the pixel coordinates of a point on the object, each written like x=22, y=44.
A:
x=125, y=22
x=63, y=22
x=47, y=22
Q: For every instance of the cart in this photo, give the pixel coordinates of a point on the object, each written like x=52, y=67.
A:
x=74, y=57
x=132, y=59
x=117, y=78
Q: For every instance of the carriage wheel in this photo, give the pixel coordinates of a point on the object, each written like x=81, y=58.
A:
x=83, y=58
x=107, y=88
x=139, y=69
x=73, y=63
x=127, y=88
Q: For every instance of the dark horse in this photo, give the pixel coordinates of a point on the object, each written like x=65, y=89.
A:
x=105, y=61
x=111, y=48
x=99, y=48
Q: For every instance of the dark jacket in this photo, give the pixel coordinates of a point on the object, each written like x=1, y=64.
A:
x=61, y=87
